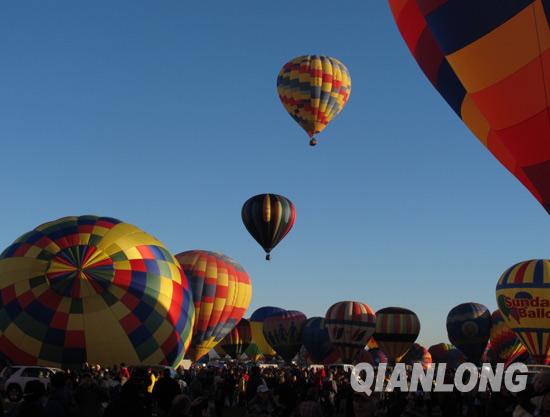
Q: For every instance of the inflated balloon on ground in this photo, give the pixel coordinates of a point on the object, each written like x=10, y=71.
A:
x=92, y=289
x=396, y=330
x=221, y=292
x=283, y=331
x=257, y=324
x=468, y=328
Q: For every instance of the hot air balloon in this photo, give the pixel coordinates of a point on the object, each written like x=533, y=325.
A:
x=468, y=328
x=221, y=293
x=283, y=331
x=448, y=354
x=418, y=354
x=314, y=89
x=373, y=356
x=504, y=342
x=485, y=59
x=253, y=352
x=316, y=340
x=257, y=324
x=92, y=289
x=350, y=325
x=523, y=297
x=268, y=218
x=396, y=330
x=236, y=342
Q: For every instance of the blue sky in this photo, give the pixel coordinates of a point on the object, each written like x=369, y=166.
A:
x=165, y=115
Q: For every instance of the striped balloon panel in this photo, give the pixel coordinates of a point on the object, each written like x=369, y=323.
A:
x=73, y=286
x=313, y=90
x=268, y=218
x=316, y=340
x=487, y=59
x=418, y=354
x=221, y=293
x=236, y=342
x=468, y=328
x=396, y=330
x=523, y=298
x=504, y=342
x=253, y=352
x=350, y=325
x=283, y=332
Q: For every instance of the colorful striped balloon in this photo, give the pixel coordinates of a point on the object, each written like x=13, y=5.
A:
x=418, y=354
x=283, y=331
x=468, y=328
x=313, y=90
x=92, y=289
x=523, y=297
x=486, y=58
x=350, y=325
x=257, y=324
x=236, y=342
x=504, y=342
x=396, y=330
x=268, y=218
x=221, y=292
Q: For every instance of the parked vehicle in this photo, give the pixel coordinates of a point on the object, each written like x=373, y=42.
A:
x=13, y=379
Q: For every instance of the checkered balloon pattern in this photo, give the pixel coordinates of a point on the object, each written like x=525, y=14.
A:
x=92, y=289
x=221, y=293
x=313, y=90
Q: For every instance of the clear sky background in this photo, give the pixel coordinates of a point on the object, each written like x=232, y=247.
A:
x=165, y=115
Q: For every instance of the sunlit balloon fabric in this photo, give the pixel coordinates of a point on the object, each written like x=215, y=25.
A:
x=268, y=218
x=490, y=60
x=221, y=293
x=257, y=324
x=468, y=328
x=523, y=297
x=314, y=89
x=350, y=325
x=92, y=289
x=396, y=330
x=418, y=354
x=236, y=342
x=283, y=331
x=504, y=342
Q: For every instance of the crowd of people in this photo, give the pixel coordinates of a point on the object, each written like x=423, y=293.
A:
x=251, y=391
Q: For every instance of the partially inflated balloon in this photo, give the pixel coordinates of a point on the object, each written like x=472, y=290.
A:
x=314, y=89
x=257, y=324
x=221, y=292
x=253, y=352
x=486, y=58
x=236, y=342
x=92, y=289
x=350, y=325
x=268, y=218
x=373, y=356
x=396, y=330
x=523, y=297
x=283, y=331
x=468, y=328
x=418, y=354
x=504, y=342
x=316, y=340
x=448, y=354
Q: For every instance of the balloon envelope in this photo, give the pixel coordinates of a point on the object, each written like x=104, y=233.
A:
x=257, y=324
x=236, y=342
x=468, y=328
x=283, y=331
x=350, y=325
x=373, y=356
x=448, y=354
x=505, y=344
x=485, y=58
x=396, y=330
x=92, y=289
x=523, y=297
x=316, y=340
x=221, y=293
x=418, y=354
x=313, y=90
x=268, y=218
